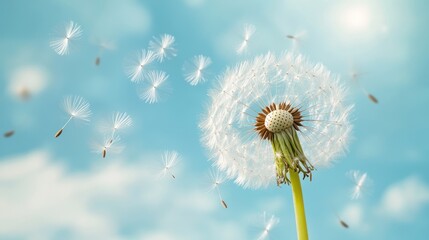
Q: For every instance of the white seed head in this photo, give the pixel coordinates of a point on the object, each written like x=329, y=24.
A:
x=228, y=133
x=278, y=120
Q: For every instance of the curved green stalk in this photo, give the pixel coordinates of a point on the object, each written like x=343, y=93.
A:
x=298, y=202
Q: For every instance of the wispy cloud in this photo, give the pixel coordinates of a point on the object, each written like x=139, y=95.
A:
x=41, y=198
x=405, y=199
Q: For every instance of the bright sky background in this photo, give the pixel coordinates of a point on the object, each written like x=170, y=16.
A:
x=59, y=189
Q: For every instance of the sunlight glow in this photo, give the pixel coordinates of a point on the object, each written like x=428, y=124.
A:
x=355, y=18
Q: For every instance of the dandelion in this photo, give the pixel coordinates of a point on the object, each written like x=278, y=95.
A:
x=163, y=47
x=77, y=108
x=155, y=87
x=249, y=30
x=138, y=67
x=170, y=160
x=360, y=182
x=109, y=144
x=268, y=225
x=217, y=178
x=272, y=119
x=61, y=44
x=9, y=133
x=355, y=77
x=195, y=70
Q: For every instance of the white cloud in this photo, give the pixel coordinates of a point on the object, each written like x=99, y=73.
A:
x=41, y=199
x=404, y=199
x=27, y=80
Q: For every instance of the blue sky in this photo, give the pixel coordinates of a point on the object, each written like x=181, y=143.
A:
x=59, y=189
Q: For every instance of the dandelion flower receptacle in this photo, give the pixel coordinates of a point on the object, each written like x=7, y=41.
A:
x=274, y=119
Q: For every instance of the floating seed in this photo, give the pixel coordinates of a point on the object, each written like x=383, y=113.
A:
x=59, y=133
x=9, y=133
x=372, y=98
x=224, y=204
x=344, y=224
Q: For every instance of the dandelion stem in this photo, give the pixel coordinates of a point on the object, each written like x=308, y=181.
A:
x=298, y=202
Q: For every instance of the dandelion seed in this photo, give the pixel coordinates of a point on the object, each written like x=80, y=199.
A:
x=372, y=98
x=61, y=44
x=77, y=108
x=344, y=224
x=102, y=46
x=138, y=67
x=360, y=181
x=170, y=160
x=217, y=178
x=297, y=119
x=108, y=145
x=9, y=133
x=195, y=71
x=268, y=226
x=155, y=87
x=249, y=30
x=296, y=39
x=163, y=47
x=120, y=121
x=355, y=75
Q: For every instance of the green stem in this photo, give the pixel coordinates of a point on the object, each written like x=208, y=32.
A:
x=298, y=202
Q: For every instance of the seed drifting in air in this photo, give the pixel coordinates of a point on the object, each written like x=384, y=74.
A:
x=9, y=133
x=361, y=181
x=248, y=31
x=170, y=160
x=77, y=108
x=355, y=78
x=102, y=46
x=196, y=69
x=268, y=225
x=217, y=179
x=163, y=47
x=61, y=43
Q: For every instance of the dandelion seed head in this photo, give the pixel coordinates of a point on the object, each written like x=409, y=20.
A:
x=196, y=69
x=280, y=92
x=61, y=43
x=163, y=47
x=77, y=107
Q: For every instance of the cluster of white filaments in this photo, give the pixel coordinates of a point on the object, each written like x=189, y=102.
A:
x=76, y=107
x=61, y=43
x=140, y=69
x=309, y=92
